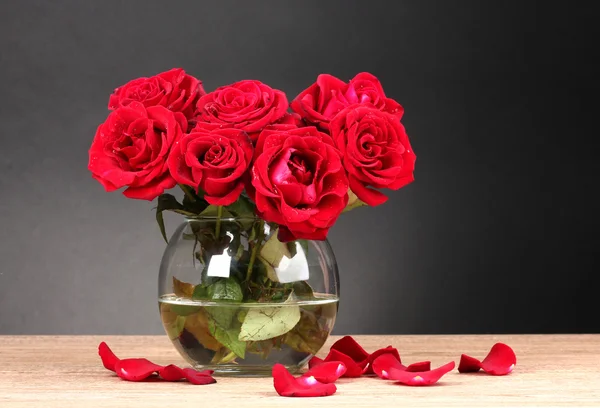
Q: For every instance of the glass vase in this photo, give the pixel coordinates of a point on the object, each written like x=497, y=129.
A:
x=236, y=300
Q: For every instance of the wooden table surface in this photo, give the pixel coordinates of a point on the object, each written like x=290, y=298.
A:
x=65, y=371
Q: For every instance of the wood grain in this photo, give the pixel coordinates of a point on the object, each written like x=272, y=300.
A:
x=65, y=371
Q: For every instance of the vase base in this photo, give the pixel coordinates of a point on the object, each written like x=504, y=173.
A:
x=234, y=370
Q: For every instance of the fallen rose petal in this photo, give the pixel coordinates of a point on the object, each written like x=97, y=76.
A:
x=468, y=364
x=382, y=365
x=107, y=356
x=315, y=361
x=199, y=377
x=422, y=377
x=353, y=369
x=287, y=385
x=387, y=350
x=136, y=369
x=385, y=362
x=351, y=348
x=501, y=360
x=420, y=366
x=139, y=369
x=326, y=372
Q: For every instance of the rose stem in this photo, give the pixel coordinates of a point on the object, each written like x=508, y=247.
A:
x=187, y=192
x=259, y=238
x=218, y=226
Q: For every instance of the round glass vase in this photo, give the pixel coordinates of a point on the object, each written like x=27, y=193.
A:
x=236, y=300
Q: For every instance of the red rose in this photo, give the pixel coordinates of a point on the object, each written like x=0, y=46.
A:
x=320, y=102
x=299, y=181
x=131, y=148
x=247, y=105
x=375, y=149
x=174, y=89
x=214, y=160
x=291, y=119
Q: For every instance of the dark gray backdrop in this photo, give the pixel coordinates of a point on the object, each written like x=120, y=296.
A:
x=497, y=234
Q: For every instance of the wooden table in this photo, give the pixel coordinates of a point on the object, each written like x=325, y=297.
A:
x=65, y=371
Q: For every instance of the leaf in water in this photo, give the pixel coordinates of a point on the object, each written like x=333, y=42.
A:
x=273, y=251
x=228, y=336
x=304, y=244
x=307, y=336
x=198, y=325
x=268, y=322
x=303, y=290
x=182, y=289
x=175, y=327
x=184, y=310
x=269, y=270
x=200, y=293
x=226, y=290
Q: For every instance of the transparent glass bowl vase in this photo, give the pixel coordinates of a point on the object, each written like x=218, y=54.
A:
x=234, y=299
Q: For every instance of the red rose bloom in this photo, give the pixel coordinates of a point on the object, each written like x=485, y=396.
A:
x=214, y=160
x=375, y=149
x=320, y=102
x=299, y=181
x=131, y=148
x=174, y=89
x=247, y=105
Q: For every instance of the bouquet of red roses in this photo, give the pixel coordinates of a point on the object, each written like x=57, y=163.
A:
x=243, y=149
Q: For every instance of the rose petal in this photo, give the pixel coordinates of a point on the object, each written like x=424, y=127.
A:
x=315, y=361
x=136, y=369
x=382, y=365
x=326, y=372
x=287, y=386
x=171, y=373
x=468, y=364
x=501, y=360
x=353, y=369
x=420, y=366
x=376, y=354
x=199, y=377
x=385, y=362
x=108, y=357
x=422, y=377
x=351, y=348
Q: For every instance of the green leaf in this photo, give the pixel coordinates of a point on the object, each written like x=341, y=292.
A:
x=168, y=202
x=211, y=211
x=303, y=290
x=184, y=310
x=228, y=338
x=175, y=327
x=268, y=269
x=182, y=289
x=200, y=293
x=197, y=205
x=308, y=336
x=273, y=251
x=293, y=248
x=242, y=207
x=269, y=322
x=353, y=202
x=304, y=244
x=226, y=290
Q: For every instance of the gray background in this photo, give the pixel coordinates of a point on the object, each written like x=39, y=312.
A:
x=497, y=234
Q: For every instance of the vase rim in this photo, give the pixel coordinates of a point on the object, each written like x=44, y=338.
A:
x=215, y=218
